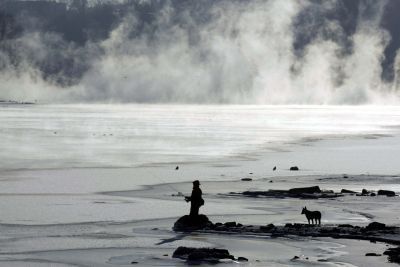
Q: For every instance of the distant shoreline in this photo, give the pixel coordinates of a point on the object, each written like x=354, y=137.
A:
x=13, y=102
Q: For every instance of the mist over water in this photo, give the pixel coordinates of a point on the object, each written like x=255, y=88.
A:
x=239, y=52
x=65, y=136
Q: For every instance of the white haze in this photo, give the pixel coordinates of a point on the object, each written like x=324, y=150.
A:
x=244, y=55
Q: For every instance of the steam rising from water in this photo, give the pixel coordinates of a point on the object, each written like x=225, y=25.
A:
x=243, y=52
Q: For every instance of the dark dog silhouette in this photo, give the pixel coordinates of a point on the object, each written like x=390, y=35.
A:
x=312, y=216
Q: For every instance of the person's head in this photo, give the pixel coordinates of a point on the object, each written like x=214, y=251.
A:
x=196, y=183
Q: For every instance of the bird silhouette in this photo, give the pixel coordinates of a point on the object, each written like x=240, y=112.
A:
x=274, y=169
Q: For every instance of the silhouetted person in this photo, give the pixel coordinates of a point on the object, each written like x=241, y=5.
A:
x=196, y=201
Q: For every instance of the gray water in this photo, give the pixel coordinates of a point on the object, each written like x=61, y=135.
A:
x=48, y=136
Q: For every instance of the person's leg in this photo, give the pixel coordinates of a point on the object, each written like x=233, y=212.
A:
x=194, y=210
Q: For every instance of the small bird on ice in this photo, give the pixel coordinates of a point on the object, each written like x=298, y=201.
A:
x=177, y=168
x=274, y=169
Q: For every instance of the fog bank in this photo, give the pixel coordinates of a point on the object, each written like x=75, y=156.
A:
x=242, y=52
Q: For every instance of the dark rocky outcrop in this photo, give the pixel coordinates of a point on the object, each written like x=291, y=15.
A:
x=374, y=232
x=393, y=254
x=295, y=258
x=365, y=192
x=371, y=254
x=206, y=255
x=375, y=226
x=190, y=223
x=230, y=224
x=346, y=225
x=267, y=228
x=305, y=190
x=313, y=192
x=386, y=193
x=345, y=191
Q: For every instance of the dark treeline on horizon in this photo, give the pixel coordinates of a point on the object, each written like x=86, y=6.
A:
x=78, y=22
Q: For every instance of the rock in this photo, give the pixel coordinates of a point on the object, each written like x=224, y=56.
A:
x=345, y=191
x=267, y=227
x=271, y=181
x=305, y=190
x=309, y=196
x=242, y=259
x=230, y=224
x=295, y=258
x=375, y=226
x=294, y=168
x=386, y=193
x=313, y=192
x=247, y=179
x=327, y=191
x=393, y=254
x=364, y=192
x=371, y=254
x=299, y=225
x=345, y=226
x=345, y=176
x=209, y=255
x=202, y=256
x=134, y=262
x=270, y=193
x=190, y=223
x=372, y=195
x=221, y=228
x=165, y=255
